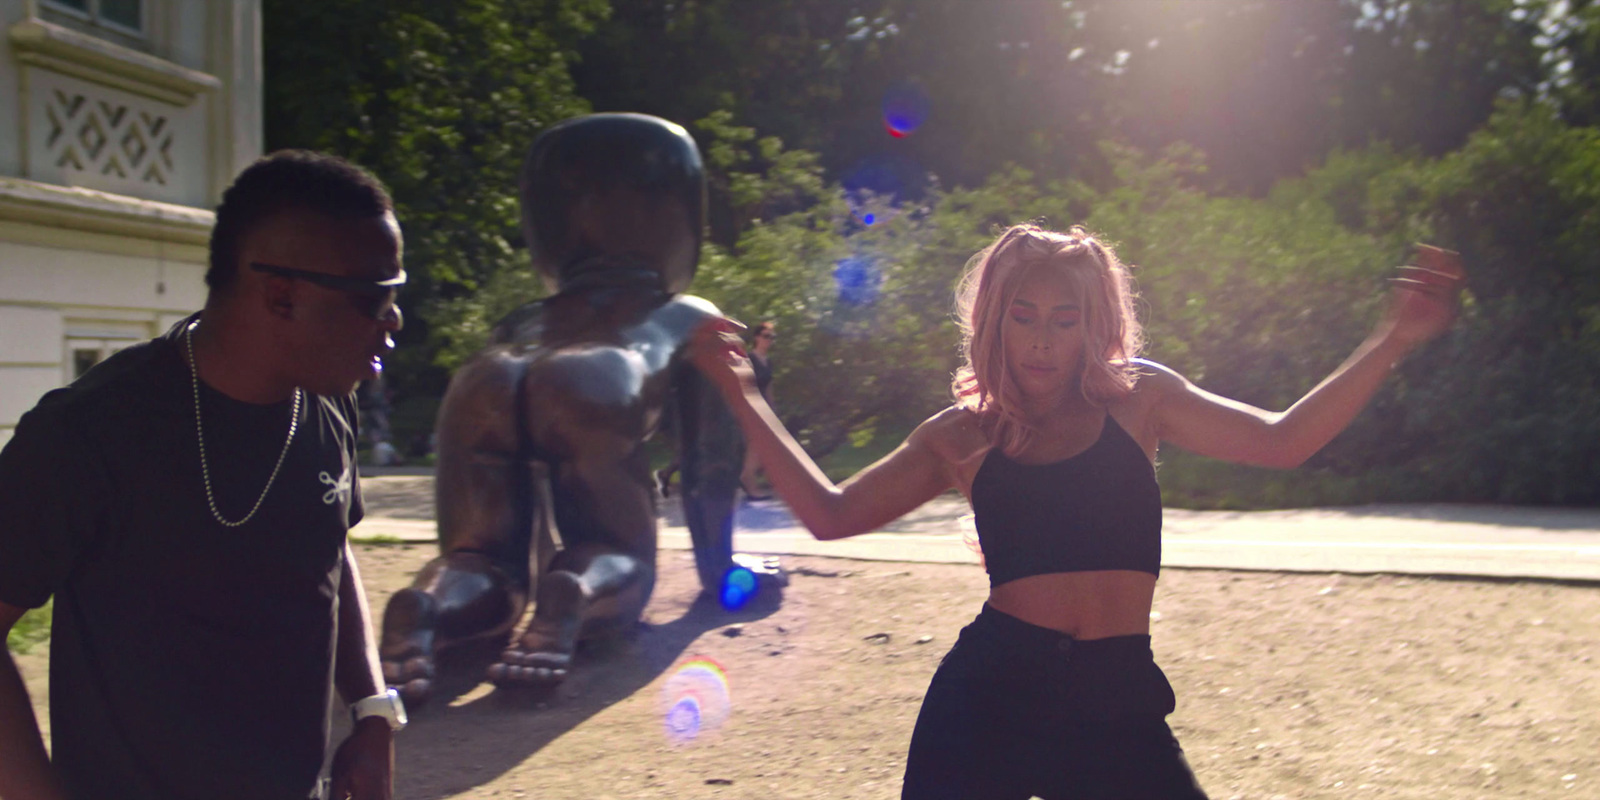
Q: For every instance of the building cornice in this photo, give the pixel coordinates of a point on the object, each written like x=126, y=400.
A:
x=44, y=44
x=74, y=208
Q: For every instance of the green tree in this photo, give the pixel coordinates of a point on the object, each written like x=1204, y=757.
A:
x=858, y=348
x=440, y=100
x=1507, y=404
x=1427, y=74
x=1257, y=299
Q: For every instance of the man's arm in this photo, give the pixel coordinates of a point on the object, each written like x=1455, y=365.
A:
x=25, y=772
x=363, y=767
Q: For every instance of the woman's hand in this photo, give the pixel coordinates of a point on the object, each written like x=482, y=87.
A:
x=1423, y=299
x=716, y=349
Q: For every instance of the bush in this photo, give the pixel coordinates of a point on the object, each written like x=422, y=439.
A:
x=32, y=629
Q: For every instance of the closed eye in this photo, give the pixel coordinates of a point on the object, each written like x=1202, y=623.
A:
x=1066, y=319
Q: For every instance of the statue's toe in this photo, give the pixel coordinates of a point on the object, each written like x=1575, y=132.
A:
x=415, y=692
x=520, y=667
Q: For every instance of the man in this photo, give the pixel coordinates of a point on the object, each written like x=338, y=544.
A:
x=187, y=502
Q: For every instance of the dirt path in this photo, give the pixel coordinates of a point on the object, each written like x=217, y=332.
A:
x=1292, y=686
x=1297, y=686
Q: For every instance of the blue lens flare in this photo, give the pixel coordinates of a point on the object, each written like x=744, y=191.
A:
x=738, y=588
x=883, y=175
x=858, y=279
x=905, y=108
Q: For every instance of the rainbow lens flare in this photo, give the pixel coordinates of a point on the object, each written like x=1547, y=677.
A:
x=695, y=700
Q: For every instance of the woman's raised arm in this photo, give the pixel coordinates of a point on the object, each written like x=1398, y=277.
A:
x=898, y=483
x=1423, y=302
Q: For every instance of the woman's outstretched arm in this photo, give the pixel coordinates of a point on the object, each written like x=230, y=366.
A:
x=1423, y=301
x=898, y=483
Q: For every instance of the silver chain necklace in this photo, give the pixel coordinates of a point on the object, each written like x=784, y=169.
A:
x=205, y=472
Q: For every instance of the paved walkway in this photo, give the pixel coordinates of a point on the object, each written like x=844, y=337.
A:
x=1479, y=541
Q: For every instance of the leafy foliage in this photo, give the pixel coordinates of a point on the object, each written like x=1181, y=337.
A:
x=440, y=100
x=1500, y=409
x=1505, y=406
x=1263, y=165
x=31, y=629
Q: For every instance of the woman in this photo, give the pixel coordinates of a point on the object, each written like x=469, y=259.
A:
x=1052, y=690
x=762, y=337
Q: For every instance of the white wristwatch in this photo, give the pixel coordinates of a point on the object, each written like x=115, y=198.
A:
x=386, y=705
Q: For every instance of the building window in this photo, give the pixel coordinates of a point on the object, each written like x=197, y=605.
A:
x=85, y=353
x=82, y=359
x=122, y=15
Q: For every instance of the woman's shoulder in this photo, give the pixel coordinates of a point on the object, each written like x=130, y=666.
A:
x=956, y=434
x=1154, y=379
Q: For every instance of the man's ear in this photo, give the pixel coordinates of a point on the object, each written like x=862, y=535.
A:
x=277, y=294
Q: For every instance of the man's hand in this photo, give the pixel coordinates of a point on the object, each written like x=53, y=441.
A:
x=363, y=767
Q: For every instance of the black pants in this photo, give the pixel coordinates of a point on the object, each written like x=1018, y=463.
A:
x=1016, y=710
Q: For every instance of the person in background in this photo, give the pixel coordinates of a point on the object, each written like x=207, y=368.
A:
x=375, y=404
x=762, y=337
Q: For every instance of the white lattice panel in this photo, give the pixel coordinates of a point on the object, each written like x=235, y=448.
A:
x=96, y=137
x=108, y=138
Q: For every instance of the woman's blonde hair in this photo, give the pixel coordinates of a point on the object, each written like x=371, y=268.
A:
x=1112, y=337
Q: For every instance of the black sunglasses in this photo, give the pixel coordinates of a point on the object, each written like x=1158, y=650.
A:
x=376, y=298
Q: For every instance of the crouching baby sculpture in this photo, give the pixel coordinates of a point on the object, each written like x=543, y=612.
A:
x=543, y=486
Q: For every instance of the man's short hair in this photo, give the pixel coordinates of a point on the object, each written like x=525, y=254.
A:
x=284, y=180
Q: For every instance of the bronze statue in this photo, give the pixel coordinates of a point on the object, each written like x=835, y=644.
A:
x=541, y=434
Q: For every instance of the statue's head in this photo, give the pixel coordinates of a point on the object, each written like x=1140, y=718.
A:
x=614, y=192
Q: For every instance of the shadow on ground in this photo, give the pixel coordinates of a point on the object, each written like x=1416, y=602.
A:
x=465, y=738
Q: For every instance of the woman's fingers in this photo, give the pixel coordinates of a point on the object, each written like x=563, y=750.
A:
x=719, y=332
x=1424, y=287
x=1425, y=295
x=1426, y=275
x=717, y=350
x=1440, y=260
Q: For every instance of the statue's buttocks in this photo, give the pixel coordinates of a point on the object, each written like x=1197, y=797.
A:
x=541, y=434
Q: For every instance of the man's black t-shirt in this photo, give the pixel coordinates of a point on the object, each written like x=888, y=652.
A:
x=187, y=659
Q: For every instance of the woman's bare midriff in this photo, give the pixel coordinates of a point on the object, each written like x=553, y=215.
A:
x=1086, y=605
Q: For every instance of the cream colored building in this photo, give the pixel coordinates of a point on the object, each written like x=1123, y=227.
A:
x=121, y=122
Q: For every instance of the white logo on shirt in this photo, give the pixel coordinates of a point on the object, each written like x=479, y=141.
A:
x=339, y=489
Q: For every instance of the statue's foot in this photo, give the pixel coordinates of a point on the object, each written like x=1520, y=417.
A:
x=768, y=569
x=406, y=648
x=542, y=655
x=749, y=578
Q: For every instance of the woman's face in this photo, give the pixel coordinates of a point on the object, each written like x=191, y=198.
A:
x=764, y=340
x=1043, y=336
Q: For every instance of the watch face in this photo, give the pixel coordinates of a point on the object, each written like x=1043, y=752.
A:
x=399, y=719
x=386, y=705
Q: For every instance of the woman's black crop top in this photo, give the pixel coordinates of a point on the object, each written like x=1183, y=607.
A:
x=1098, y=510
